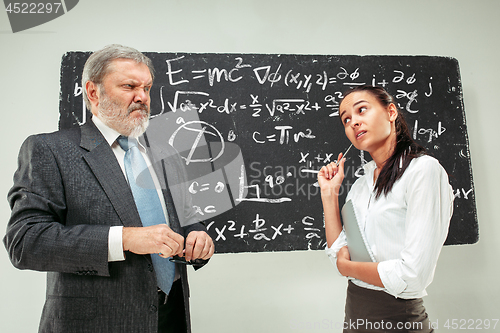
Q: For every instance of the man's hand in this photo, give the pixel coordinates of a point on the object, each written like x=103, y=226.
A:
x=154, y=239
x=199, y=245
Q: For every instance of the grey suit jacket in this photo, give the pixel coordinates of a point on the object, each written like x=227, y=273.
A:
x=68, y=191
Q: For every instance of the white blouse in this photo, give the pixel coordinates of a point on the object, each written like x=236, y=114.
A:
x=405, y=229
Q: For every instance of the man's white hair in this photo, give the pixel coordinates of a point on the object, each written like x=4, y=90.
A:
x=97, y=64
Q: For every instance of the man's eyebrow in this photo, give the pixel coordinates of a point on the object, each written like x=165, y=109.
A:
x=136, y=82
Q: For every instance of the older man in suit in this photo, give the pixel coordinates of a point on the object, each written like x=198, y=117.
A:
x=76, y=215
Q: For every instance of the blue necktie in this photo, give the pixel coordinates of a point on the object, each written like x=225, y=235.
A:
x=148, y=204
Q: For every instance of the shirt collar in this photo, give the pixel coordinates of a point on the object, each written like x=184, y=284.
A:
x=370, y=166
x=369, y=170
x=110, y=135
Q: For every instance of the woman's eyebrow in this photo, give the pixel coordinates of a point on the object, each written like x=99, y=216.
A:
x=358, y=102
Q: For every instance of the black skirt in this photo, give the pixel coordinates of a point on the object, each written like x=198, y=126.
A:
x=369, y=310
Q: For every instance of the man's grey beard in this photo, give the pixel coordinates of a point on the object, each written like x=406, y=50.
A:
x=110, y=114
x=138, y=130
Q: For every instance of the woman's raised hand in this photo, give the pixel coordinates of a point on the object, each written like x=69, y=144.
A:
x=330, y=177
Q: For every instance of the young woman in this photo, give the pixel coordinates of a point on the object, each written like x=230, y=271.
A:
x=403, y=203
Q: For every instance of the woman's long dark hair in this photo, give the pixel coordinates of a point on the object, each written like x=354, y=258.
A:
x=406, y=148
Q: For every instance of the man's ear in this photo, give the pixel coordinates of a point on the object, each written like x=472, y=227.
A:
x=92, y=94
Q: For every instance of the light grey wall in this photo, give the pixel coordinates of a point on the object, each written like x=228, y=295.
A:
x=270, y=292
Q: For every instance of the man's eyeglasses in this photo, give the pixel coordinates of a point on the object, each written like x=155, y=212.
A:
x=182, y=260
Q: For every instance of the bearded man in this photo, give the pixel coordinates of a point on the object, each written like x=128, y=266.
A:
x=78, y=213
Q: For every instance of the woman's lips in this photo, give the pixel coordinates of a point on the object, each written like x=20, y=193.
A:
x=360, y=134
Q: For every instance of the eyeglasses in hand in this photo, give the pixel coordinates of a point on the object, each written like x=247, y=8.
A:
x=182, y=260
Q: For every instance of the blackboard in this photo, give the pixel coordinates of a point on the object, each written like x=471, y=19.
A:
x=281, y=111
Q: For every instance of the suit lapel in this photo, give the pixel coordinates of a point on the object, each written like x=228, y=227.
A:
x=102, y=161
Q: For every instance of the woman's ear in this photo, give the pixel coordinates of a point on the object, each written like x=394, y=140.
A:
x=393, y=112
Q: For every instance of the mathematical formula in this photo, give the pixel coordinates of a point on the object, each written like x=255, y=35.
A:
x=283, y=113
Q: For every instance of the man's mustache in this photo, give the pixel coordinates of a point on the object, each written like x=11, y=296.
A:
x=138, y=106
